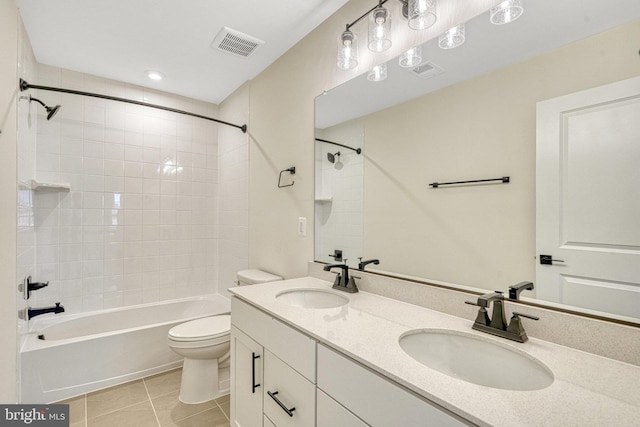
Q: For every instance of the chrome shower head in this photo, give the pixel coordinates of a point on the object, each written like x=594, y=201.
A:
x=51, y=111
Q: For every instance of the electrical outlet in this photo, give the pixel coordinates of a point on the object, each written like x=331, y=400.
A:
x=302, y=226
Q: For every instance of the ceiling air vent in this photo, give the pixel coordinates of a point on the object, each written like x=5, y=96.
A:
x=235, y=42
x=427, y=70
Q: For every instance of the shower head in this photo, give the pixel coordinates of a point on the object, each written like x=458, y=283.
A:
x=51, y=111
x=332, y=157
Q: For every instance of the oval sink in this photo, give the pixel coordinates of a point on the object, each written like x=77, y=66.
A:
x=472, y=359
x=312, y=298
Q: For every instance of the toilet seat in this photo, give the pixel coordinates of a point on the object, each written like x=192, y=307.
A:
x=213, y=328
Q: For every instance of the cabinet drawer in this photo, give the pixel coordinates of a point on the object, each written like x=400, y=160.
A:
x=266, y=422
x=295, y=394
x=332, y=414
x=290, y=345
x=375, y=399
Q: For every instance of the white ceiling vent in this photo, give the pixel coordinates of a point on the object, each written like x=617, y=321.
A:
x=235, y=42
x=427, y=70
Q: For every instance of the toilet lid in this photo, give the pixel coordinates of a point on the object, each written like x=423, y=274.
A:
x=202, y=329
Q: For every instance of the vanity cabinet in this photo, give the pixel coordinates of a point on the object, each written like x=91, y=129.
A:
x=283, y=378
x=273, y=371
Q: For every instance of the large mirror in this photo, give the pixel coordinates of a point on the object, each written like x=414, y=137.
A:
x=469, y=113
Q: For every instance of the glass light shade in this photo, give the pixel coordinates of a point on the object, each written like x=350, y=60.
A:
x=505, y=12
x=452, y=38
x=411, y=58
x=377, y=73
x=422, y=14
x=347, y=51
x=379, y=30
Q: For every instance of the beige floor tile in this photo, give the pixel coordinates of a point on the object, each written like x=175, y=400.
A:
x=224, y=403
x=77, y=409
x=163, y=383
x=139, y=415
x=210, y=418
x=114, y=398
x=170, y=410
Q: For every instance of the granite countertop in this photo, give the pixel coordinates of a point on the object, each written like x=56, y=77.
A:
x=587, y=389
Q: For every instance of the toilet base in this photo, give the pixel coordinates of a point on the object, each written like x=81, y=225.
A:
x=200, y=381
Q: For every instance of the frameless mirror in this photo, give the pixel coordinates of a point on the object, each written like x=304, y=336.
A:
x=467, y=113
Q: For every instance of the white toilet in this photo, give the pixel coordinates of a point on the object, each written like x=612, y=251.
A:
x=204, y=344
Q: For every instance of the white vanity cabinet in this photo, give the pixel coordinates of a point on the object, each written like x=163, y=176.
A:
x=274, y=382
x=277, y=387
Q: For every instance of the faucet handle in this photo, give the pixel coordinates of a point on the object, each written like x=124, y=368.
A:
x=528, y=316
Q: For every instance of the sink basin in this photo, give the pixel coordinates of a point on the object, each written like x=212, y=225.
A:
x=475, y=360
x=312, y=298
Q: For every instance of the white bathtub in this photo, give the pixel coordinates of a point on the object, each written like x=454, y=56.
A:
x=89, y=351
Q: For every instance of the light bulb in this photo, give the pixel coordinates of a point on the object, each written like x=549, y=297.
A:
x=347, y=51
x=454, y=37
x=421, y=14
x=377, y=73
x=411, y=57
x=506, y=12
x=379, y=30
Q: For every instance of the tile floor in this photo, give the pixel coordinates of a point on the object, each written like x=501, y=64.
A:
x=149, y=402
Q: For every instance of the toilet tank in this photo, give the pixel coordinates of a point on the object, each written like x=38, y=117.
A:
x=252, y=277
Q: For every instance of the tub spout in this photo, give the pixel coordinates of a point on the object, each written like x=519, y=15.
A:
x=33, y=312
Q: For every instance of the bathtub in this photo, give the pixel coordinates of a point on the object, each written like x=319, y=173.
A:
x=71, y=355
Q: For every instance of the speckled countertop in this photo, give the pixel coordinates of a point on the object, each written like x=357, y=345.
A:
x=588, y=390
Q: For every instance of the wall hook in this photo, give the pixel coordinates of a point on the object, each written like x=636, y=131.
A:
x=292, y=171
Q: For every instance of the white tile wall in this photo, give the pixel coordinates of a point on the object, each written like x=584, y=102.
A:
x=140, y=222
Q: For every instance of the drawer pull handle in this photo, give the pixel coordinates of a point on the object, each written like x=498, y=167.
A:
x=253, y=372
x=282, y=405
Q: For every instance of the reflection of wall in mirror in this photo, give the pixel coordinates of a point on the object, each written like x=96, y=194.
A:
x=480, y=236
x=339, y=193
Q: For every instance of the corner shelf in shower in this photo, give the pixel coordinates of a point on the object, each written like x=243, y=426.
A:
x=49, y=186
x=323, y=200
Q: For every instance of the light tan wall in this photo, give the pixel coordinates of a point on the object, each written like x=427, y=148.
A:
x=483, y=128
x=282, y=127
x=8, y=226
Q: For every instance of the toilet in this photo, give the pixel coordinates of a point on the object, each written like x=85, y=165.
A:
x=204, y=343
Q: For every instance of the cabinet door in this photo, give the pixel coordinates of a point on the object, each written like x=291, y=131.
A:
x=331, y=414
x=373, y=398
x=246, y=380
x=289, y=398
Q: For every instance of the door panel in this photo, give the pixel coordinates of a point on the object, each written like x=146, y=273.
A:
x=588, y=198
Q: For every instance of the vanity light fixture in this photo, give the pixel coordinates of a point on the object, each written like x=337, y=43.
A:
x=347, y=50
x=453, y=38
x=411, y=57
x=506, y=12
x=421, y=14
x=154, y=75
x=379, y=29
x=378, y=73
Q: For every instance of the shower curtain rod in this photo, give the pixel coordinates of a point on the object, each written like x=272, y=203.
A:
x=24, y=85
x=357, y=150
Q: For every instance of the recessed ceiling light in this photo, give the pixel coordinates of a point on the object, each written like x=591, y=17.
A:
x=154, y=75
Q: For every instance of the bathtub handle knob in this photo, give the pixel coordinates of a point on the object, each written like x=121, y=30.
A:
x=254, y=356
x=34, y=286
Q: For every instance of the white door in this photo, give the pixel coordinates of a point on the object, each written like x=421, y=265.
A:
x=588, y=199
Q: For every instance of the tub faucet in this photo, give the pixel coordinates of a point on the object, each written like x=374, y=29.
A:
x=33, y=312
x=497, y=323
x=343, y=282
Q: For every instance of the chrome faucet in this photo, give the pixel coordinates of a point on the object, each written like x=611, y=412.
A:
x=497, y=323
x=343, y=282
